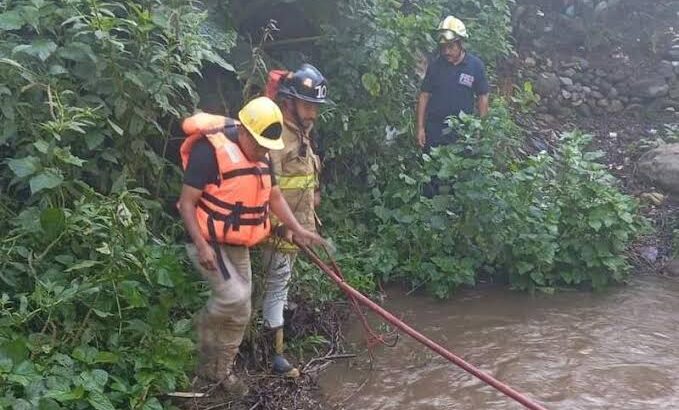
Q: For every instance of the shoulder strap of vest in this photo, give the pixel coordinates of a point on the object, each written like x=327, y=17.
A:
x=231, y=129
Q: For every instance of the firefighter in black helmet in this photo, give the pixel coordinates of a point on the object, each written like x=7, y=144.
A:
x=297, y=167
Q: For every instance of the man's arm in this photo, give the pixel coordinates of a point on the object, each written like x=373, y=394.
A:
x=187, y=209
x=483, y=104
x=421, y=110
x=283, y=212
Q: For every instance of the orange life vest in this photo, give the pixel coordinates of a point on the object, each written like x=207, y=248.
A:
x=235, y=209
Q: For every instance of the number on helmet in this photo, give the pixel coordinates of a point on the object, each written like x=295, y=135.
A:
x=321, y=91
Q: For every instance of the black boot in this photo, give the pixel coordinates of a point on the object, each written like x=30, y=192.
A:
x=279, y=364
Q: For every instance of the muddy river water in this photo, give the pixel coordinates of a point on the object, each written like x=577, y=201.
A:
x=574, y=350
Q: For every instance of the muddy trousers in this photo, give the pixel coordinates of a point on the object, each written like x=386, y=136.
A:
x=278, y=267
x=222, y=322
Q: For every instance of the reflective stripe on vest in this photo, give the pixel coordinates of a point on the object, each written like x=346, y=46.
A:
x=296, y=181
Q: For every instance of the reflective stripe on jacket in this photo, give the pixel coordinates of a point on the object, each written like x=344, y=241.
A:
x=297, y=168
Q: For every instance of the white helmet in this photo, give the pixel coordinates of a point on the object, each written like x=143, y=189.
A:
x=451, y=29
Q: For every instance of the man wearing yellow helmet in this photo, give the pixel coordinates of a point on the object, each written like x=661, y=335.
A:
x=228, y=190
x=452, y=84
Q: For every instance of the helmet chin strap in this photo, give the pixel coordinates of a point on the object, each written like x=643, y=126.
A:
x=295, y=115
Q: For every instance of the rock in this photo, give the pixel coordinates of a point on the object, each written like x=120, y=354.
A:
x=586, y=90
x=600, y=8
x=519, y=12
x=612, y=92
x=584, y=110
x=651, y=87
x=649, y=253
x=569, y=73
x=618, y=76
x=634, y=107
x=539, y=44
x=597, y=95
x=666, y=69
x=673, y=53
x=672, y=268
x=655, y=198
x=549, y=119
x=576, y=102
x=570, y=88
x=547, y=85
x=566, y=81
x=616, y=106
x=674, y=91
x=660, y=166
x=530, y=62
x=583, y=63
x=600, y=73
x=603, y=103
x=566, y=94
x=554, y=106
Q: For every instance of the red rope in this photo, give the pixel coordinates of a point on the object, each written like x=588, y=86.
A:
x=357, y=297
x=372, y=337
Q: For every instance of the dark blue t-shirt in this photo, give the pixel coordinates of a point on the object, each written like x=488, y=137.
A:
x=453, y=87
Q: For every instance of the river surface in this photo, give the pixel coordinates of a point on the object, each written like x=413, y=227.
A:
x=618, y=349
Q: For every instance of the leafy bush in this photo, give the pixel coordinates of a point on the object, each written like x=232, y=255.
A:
x=541, y=220
x=90, y=90
x=93, y=308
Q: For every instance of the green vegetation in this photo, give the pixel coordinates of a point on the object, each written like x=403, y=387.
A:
x=95, y=298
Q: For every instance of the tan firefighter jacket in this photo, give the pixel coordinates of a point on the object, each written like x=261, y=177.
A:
x=297, y=170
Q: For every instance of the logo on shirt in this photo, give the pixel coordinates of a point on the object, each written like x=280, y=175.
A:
x=466, y=80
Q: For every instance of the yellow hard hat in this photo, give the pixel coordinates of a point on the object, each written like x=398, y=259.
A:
x=264, y=120
x=450, y=29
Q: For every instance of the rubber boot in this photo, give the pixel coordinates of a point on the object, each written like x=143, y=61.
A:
x=280, y=364
x=217, y=351
x=229, y=382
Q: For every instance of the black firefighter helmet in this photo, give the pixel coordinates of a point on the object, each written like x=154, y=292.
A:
x=307, y=84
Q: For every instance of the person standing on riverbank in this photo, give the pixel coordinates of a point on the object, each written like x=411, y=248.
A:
x=297, y=169
x=228, y=191
x=452, y=85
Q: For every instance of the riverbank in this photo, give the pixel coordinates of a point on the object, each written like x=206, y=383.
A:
x=579, y=87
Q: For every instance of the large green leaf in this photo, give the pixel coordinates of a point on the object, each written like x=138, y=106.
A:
x=40, y=48
x=47, y=179
x=82, y=265
x=65, y=156
x=94, y=380
x=23, y=167
x=11, y=20
x=99, y=401
x=53, y=221
x=77, y=51
x=152, y=404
